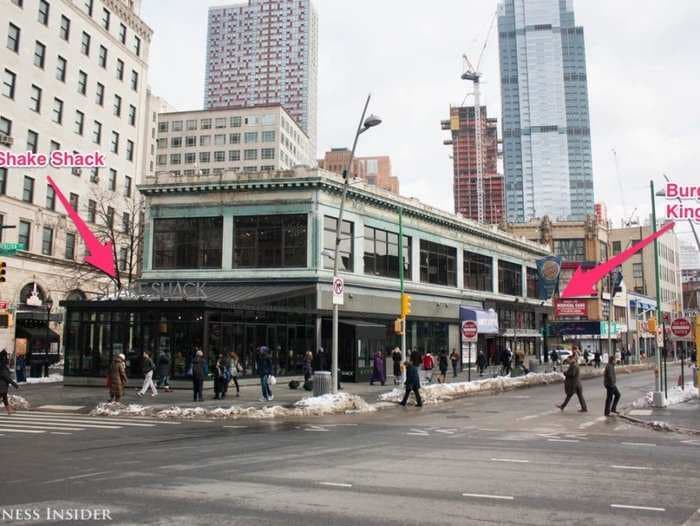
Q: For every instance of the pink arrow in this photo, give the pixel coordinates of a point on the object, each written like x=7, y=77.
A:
x=582, y=283
x=101, y=256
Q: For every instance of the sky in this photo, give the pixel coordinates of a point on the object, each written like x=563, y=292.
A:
x=643, y=85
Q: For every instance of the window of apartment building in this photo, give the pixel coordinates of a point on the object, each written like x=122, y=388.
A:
x=70, y=245
x=250, y=155
x=220, y=122
x=234, y=155
x=127, y=186
x=61, y=66
x=74, y=200
x=102, y=57
x=478, y=271
x=88, y=7
x=510, y=278
x=3, y=182
x=122, y=33
x=270, y=241
x=112, y=180
x=267, y=168
x=250, y=169
x=603, y=251
x=191, y=124
x=54, y=146
x=205, y=124
x=120, y=69
x=162, y=143
x=117, y=108
x=219, y=157
x=122, y=258
x=32, y=141
x=381, y=252
x=125, y=222
x=175, y=158
x=47, y=241
x=163, y=127
x=114, y=147
x=85, y=44
x=106, y=18
x=190, y=157
x=82, y=82
x=79, y=121
x=97, y=132
x=28, y=189
x=234, y=138
x=250, y=137
x=532, y=279
x=109, y=220
x=570, y=249
x=187, y=243
x=92, y=211
x=132, y=115
x=57, y=112
x=95, y=175
x=438, y=263
x=251, y=121
x=13, y=35
x=39, y=55
x=177, y=126
x=100, y=94
x=191, y=140
x=134, y=80
x=204, y=157
x=24, y=234
x=616, y=247
x=35, y=99
x=5, y=126
x=64, y=30
x=50, y=197
x=162, y=160
x=637, y=271
x=137, y=46
x=267, y=153
x=235, y=122
x=268, y=136
x=129, y=150
x=204, y=140
x=43, y=15
x=175, y=142
x=9, y=81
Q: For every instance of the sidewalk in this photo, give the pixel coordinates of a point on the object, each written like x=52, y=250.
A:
x=683, y=417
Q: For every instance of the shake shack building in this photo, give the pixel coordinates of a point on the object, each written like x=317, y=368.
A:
x=234, y=261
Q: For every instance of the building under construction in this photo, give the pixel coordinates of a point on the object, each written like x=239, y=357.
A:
x=462, y=125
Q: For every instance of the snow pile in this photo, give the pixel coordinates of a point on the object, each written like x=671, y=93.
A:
x=436, y=393
x=317, y=406
x=18, y=402
x=50, y=379
x=676, y=395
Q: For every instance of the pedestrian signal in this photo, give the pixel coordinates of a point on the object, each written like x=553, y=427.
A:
x=651, y=325
x=399, y=325
x=3, y=271
x=405, y=304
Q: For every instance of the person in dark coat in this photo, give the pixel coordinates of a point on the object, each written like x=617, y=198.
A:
x=219, y=378
x=20, y=369
x=481, y=362
x=148, y=369
x=454, y=358
x=117, y=378
x=378, y=369
x=572, y=384
x=412, y=384
x=198, y=376
x=264, y=367
x=596, y=359
x=6, y=381
x=442, y=364
x=613, y=393
x=163, y=371
x=396, y=359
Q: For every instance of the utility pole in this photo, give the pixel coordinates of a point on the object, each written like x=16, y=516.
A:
x=658, y=397
x=403, y=317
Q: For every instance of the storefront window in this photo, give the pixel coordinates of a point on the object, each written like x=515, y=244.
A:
x=438, y=264
x=345, y=252
x=478, y=271
x=186, y=243
x=510, y=278
x=270, y=241
x=381, y=253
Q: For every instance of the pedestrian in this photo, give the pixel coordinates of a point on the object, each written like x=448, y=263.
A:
x=163, y=371
x=481, y=362
x=585, y=357
x=198, y=376
x=117, y=378
x=554, y=358
x=412, y=384
x=6, y=381
x=235, y=369
x=307, y=366
x=507, y=360
x=396, y=359
x=442, y=364
x=454, y=358
x=416, y=358
x=428, y=364
x=20, y=369
x=264, y=367
x=219, y=377
x=148, y=368
x=613, y=393
x=596, y=359
x=378, y=374
x=572, y=384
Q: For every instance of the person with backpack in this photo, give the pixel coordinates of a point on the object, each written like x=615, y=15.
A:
x=412, y=384
x=148, y=369
x=554, y=358
x=163, y=371
x=198, y=376
x=428, y=364
x=442, y=364
x=6, y=381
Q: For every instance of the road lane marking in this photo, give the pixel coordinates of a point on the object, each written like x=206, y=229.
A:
x=316, y=428
x=592, y=422
x=61, y=407
x=8, y=430
x=691, y=442
x=46, y=421
x=24, y=425
x=638, y=444
x=236, y=427
x=518, y=460
x=60, y=433
x=528, y=417
x=482, y=496
x=418, y=432
x=630, y=467
x=76, y=477
x=336, y=484
x=446, y=431
x=121, y=418
x=628, y=507
x=640, y=412
x=561, y=440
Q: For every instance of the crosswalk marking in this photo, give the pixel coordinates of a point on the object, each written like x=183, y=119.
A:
x=33, y=431
x=12, y=420
x=592, y=422
x=123, y=420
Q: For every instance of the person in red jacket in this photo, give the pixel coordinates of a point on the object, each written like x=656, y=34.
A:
x=428, y=364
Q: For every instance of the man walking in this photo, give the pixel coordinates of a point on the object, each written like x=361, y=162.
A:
x=454, y=357
x=572, y=384
x=412, y=384
x=6, y=381
x=264, y=367
x=148, y=368
x=164, y=371
x=613, y=393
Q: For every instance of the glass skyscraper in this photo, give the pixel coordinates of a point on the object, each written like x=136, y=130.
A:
x=544, y=94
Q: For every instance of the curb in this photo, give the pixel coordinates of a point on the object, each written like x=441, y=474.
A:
x=660, y=426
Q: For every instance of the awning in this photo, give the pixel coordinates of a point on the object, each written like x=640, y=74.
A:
x=358, y=323
x=486, y=320
x=254, y=294
x=36, y=333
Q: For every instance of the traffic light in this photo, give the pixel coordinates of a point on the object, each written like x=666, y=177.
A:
x=399, y=325
x=405, y=304
x=651, y=325
x=3, y=271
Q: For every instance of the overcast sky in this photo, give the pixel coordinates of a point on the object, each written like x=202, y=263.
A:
x=643, y=82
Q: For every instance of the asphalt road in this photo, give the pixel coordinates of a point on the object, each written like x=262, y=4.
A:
x=507, y=459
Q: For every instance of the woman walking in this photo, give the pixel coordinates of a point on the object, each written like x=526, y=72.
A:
x=572, y=384
x=378, y=374
x=236, y=369
x=198, y=376
x=163, y=371
x=5, y=381
x=219, y=378
x=396, y=358
x=264, y=366
x=442, y=363
x=307, y=366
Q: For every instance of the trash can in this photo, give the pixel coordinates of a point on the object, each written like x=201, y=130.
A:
x=322, y=383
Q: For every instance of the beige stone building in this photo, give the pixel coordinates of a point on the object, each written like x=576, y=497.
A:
x=376, y=171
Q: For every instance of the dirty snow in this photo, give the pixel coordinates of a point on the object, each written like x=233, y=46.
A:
x=18, y=402
x=50, y=379
x=315, y=406
x=436, y=393
x=676, y=395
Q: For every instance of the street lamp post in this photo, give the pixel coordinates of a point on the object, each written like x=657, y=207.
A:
x=659, y=349
x=363, y=126
x=49, y=305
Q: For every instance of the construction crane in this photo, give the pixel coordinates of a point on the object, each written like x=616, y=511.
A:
x=622, y=191
x=473, y=74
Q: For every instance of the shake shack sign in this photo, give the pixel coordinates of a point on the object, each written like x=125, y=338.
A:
x=170, y=290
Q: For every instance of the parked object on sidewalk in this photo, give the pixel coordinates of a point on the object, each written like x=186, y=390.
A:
x=163, y=371
x=148, y=369
x=116, y=380
x=412, y=384
x=613, y=393
x=294, y=384
x=6, y=381
x=308, y=385
x=378, y=369
x=572, y=384
x=198, y=376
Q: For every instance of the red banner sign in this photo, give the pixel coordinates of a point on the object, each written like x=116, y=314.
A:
x=566, y=308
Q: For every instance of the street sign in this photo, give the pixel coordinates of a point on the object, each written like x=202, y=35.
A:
x=338, y=288
x=11, y=246
x=470, y=331
x=681, y=329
